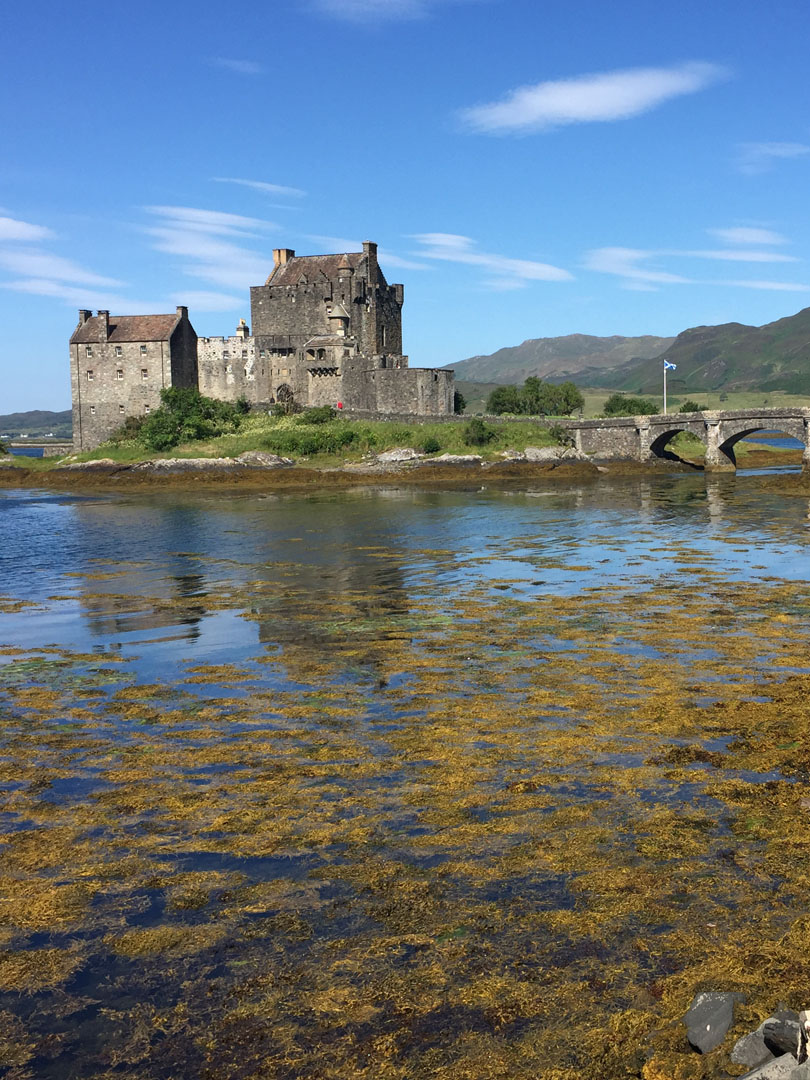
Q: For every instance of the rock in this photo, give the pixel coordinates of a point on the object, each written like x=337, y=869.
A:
x=803, y=1051
x=261, y=459
x=781, y=1068
x=781, y=1033
x=184, y=465
x=400, y=453
x=709, y=1018
x=553, y=453
x=751, y=1050
x=455, y=459
x=89, y=466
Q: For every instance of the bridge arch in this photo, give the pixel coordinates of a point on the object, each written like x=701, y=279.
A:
x=660, y=439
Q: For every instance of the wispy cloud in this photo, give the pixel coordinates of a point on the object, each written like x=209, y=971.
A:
x=41, y=272
x=611, y=95
x=747, y=235
x=632, y=266
x=386, y=257
x=628, y=263
x=372, y=11
x=260, y=185
x=236, y=65
x=204, y=240
x=760, y=157
x=77, y=296
x=14, y=229
x=505, y=272
x=737, y=255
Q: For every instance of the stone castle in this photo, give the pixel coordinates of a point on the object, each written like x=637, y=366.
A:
x=327, y=330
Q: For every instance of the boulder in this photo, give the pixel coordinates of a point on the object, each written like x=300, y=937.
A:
x=751, y=1050
x=709, y=1018
x=399, y=453
x=780, y=1032
x=455, y=459
x=781, y=1068
x=90, y=466
x=262, y=459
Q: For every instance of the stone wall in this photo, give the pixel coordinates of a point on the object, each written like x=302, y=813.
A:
x=230, y=368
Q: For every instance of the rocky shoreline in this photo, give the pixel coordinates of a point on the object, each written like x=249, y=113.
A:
x=404, y=465
x=776, y=1050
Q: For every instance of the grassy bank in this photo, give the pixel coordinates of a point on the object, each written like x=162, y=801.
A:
x=342, y=441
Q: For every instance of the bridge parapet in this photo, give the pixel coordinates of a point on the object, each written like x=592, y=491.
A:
x=642, y=438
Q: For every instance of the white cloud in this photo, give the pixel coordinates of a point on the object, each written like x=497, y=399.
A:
x=747, y=235
x=12, y=229
x=260, y=185
x=239, y=67
x=448, y=247
x=612, y=95
x=41, y=264
x=629, y=265
x=759, y=157
x=211, y=221
x=82, y=297
x=735, y=255
x=202, y=300
x=385, y=257
x=625, y=263
x=379, y=10
x=200, y=237
x=778, y=286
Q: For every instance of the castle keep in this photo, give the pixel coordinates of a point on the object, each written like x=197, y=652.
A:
x=327, y=330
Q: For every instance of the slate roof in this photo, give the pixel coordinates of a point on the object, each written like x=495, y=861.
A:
x=291, y=272
x=127, y=328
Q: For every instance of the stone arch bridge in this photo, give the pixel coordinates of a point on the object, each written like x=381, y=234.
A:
x=643, y=438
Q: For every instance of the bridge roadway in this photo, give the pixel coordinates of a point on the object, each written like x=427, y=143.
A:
x=643, y=438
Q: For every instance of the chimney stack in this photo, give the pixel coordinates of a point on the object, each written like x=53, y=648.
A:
x=84, y=315
x=370, y=251
x=182, y=312
x=103, y=325
x=281, y=256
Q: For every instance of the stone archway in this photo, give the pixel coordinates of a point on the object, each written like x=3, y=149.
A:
x=660, y=448
x=285, y=398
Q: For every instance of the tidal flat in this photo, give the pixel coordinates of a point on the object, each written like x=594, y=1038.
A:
x=401, y=784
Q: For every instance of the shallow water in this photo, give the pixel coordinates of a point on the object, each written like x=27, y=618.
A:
x=393, y=783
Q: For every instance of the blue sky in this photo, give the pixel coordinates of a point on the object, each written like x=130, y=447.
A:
x=528, y=169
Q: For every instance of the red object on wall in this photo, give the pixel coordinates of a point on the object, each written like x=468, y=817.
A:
x=340, y=404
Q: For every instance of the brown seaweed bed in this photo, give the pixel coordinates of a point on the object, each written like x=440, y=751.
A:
x=492, y=837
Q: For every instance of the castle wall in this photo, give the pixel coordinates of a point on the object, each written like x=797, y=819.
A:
x=230, y=368
x=325, y=390
x=112, y=382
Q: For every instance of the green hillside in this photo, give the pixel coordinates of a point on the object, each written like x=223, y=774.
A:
x=732, y=357
x=38, y=422
x=575, y=356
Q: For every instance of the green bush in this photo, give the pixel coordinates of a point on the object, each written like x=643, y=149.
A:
x=477, y=433
x=185, y=415
x=299, y=441
x=624, y=405
x=459, y=402
x=431, y=445
x=129, y=430
x=561, y=435
x=3, y=448
x=689, y=406
x=319, y=414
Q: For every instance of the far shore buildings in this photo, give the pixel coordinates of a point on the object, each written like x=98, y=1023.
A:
x=327, y=330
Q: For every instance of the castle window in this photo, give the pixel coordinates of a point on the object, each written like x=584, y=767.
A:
x=244, y=354
x=225, y=353
x=88, y=350
x=118, y=350
x=92, y=410
x=143, y=350
x=262, y=353
x=119, y=374
x=146, y=408
x=89, y=376
x=144, y=373
x=121, y=409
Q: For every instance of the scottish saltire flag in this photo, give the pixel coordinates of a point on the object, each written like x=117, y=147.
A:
x=668, y=366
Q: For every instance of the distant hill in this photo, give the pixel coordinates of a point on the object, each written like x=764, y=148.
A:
x=38, y=422
x=576, y=356
x=731, y=356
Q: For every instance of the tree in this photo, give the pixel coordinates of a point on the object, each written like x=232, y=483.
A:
x=186, y=415
x=624, y=405
x=477, y=433
x=689, y=406
x=570, y=398
x=505, y=399
x=459, y=402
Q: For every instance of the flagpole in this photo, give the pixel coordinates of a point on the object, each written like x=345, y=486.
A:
x=665, y=388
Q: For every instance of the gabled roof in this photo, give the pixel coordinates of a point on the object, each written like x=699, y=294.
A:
x=127, y=328
x=290, y=272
